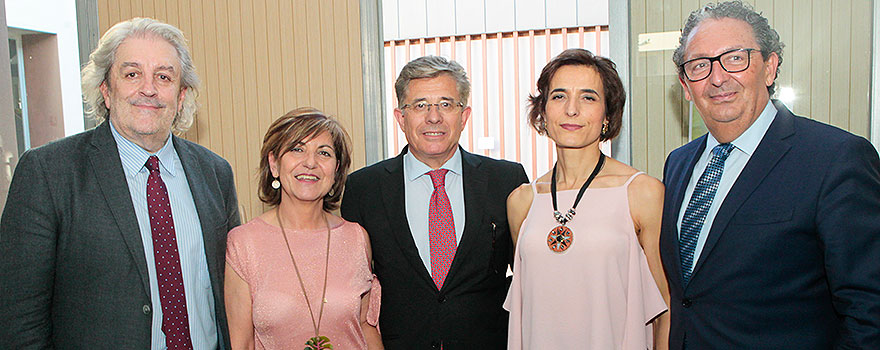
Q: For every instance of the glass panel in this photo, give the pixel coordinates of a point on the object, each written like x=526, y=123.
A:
x=16, y=96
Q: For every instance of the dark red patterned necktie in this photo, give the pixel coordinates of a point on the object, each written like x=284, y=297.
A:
x=175, y=322
x=441, y=228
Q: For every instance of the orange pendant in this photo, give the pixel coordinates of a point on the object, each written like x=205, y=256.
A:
x=560, y=238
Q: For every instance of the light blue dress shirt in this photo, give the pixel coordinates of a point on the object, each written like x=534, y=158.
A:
x=418, y=189
x=744, y=147
x=190, y=244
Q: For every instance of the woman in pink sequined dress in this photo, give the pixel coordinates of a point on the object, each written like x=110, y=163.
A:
x=298, y=276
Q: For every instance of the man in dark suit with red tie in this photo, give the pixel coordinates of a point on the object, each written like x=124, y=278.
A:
x=771, y=221
x=437, y=220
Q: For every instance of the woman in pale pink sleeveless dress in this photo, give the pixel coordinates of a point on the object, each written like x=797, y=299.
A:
x=588, y=278
x=298, y=276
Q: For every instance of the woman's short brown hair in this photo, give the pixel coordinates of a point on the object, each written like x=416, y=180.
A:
x=615, y=97
x=286, y=132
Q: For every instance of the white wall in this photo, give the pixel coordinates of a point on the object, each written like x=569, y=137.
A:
x=407, y=19
x=55, y=17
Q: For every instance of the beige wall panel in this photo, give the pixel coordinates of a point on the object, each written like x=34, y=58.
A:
x=274, y=69
x=672, y=101
x=840, y=64
x=257, y=60
x=355, y=89
x=301, y=52
x=288, y=68
x=860, y=61
x=638, y=87
x=821, y=61
x=798, y=58
x=655, y=95
x=828, y=87
x=782, y=21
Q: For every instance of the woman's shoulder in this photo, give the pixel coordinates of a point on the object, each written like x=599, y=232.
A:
x=620, y=174
x=337, y=223
x=521, y=195
x=249, y=230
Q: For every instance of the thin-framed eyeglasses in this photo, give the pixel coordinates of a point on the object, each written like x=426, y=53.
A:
x=733, y=61
x=422, y=107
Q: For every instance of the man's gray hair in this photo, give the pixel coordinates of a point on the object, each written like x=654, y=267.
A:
x=431, y=67
x=767, y=37
x=97, y=70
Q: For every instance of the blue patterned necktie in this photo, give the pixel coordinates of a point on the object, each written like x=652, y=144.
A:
x=701, y=200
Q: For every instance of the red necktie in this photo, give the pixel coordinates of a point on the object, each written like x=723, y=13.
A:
x=441, y=228
x=175, y=322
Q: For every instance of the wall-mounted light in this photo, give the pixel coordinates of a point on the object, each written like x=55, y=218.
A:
x=786, y=95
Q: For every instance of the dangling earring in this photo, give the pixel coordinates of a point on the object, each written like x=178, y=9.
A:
x=605, y=127
x=331, y=193
x=276, y=184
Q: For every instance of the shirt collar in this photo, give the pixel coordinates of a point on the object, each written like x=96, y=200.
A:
x=749, y=140
x=413, y=168
x=134, y=158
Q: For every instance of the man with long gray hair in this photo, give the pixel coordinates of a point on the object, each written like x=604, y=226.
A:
x=437, y=220
x=115, y=237
x=771, y=221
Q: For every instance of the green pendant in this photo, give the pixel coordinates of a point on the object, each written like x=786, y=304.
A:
x=318, y=343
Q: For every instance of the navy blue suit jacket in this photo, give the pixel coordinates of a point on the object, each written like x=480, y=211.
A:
x=792, y=260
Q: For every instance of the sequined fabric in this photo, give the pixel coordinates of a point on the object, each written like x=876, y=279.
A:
x=281, y=319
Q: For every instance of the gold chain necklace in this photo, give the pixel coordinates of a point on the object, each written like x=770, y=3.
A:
x=318, y=342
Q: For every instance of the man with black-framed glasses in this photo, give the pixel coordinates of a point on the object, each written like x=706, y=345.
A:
x=437, y=220
x=771, y=221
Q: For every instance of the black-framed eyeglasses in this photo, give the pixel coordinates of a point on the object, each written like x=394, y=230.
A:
x=733, y=61
x=422, y=107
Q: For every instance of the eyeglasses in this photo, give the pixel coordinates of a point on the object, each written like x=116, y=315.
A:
x=422, y=107
x=733, y=61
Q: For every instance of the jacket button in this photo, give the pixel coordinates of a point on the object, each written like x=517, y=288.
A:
x=146, y=309
x=441, y=299
x=686, y=302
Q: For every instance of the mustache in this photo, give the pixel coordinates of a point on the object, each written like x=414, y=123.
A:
x=143, y=101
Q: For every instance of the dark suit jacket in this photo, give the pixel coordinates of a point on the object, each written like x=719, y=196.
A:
x=72, y=266
x=467, y=312
x=792, y=260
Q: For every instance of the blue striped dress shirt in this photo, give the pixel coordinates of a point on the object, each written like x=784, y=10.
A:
x=193, y=264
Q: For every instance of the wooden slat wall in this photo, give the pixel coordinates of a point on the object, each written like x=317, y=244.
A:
x=257, y=60
x=827, y=61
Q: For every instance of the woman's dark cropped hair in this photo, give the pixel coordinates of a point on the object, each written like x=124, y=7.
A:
x=615, y=96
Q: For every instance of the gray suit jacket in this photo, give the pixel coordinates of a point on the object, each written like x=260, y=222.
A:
x=73, y=274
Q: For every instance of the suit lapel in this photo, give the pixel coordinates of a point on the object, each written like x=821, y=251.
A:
x=678, y=189
x=771, y=149
x=474, y=185
x=206, y=208
x=107, y=168
x=393, y=192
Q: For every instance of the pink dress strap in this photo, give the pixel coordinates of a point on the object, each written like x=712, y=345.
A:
x=631, y=178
